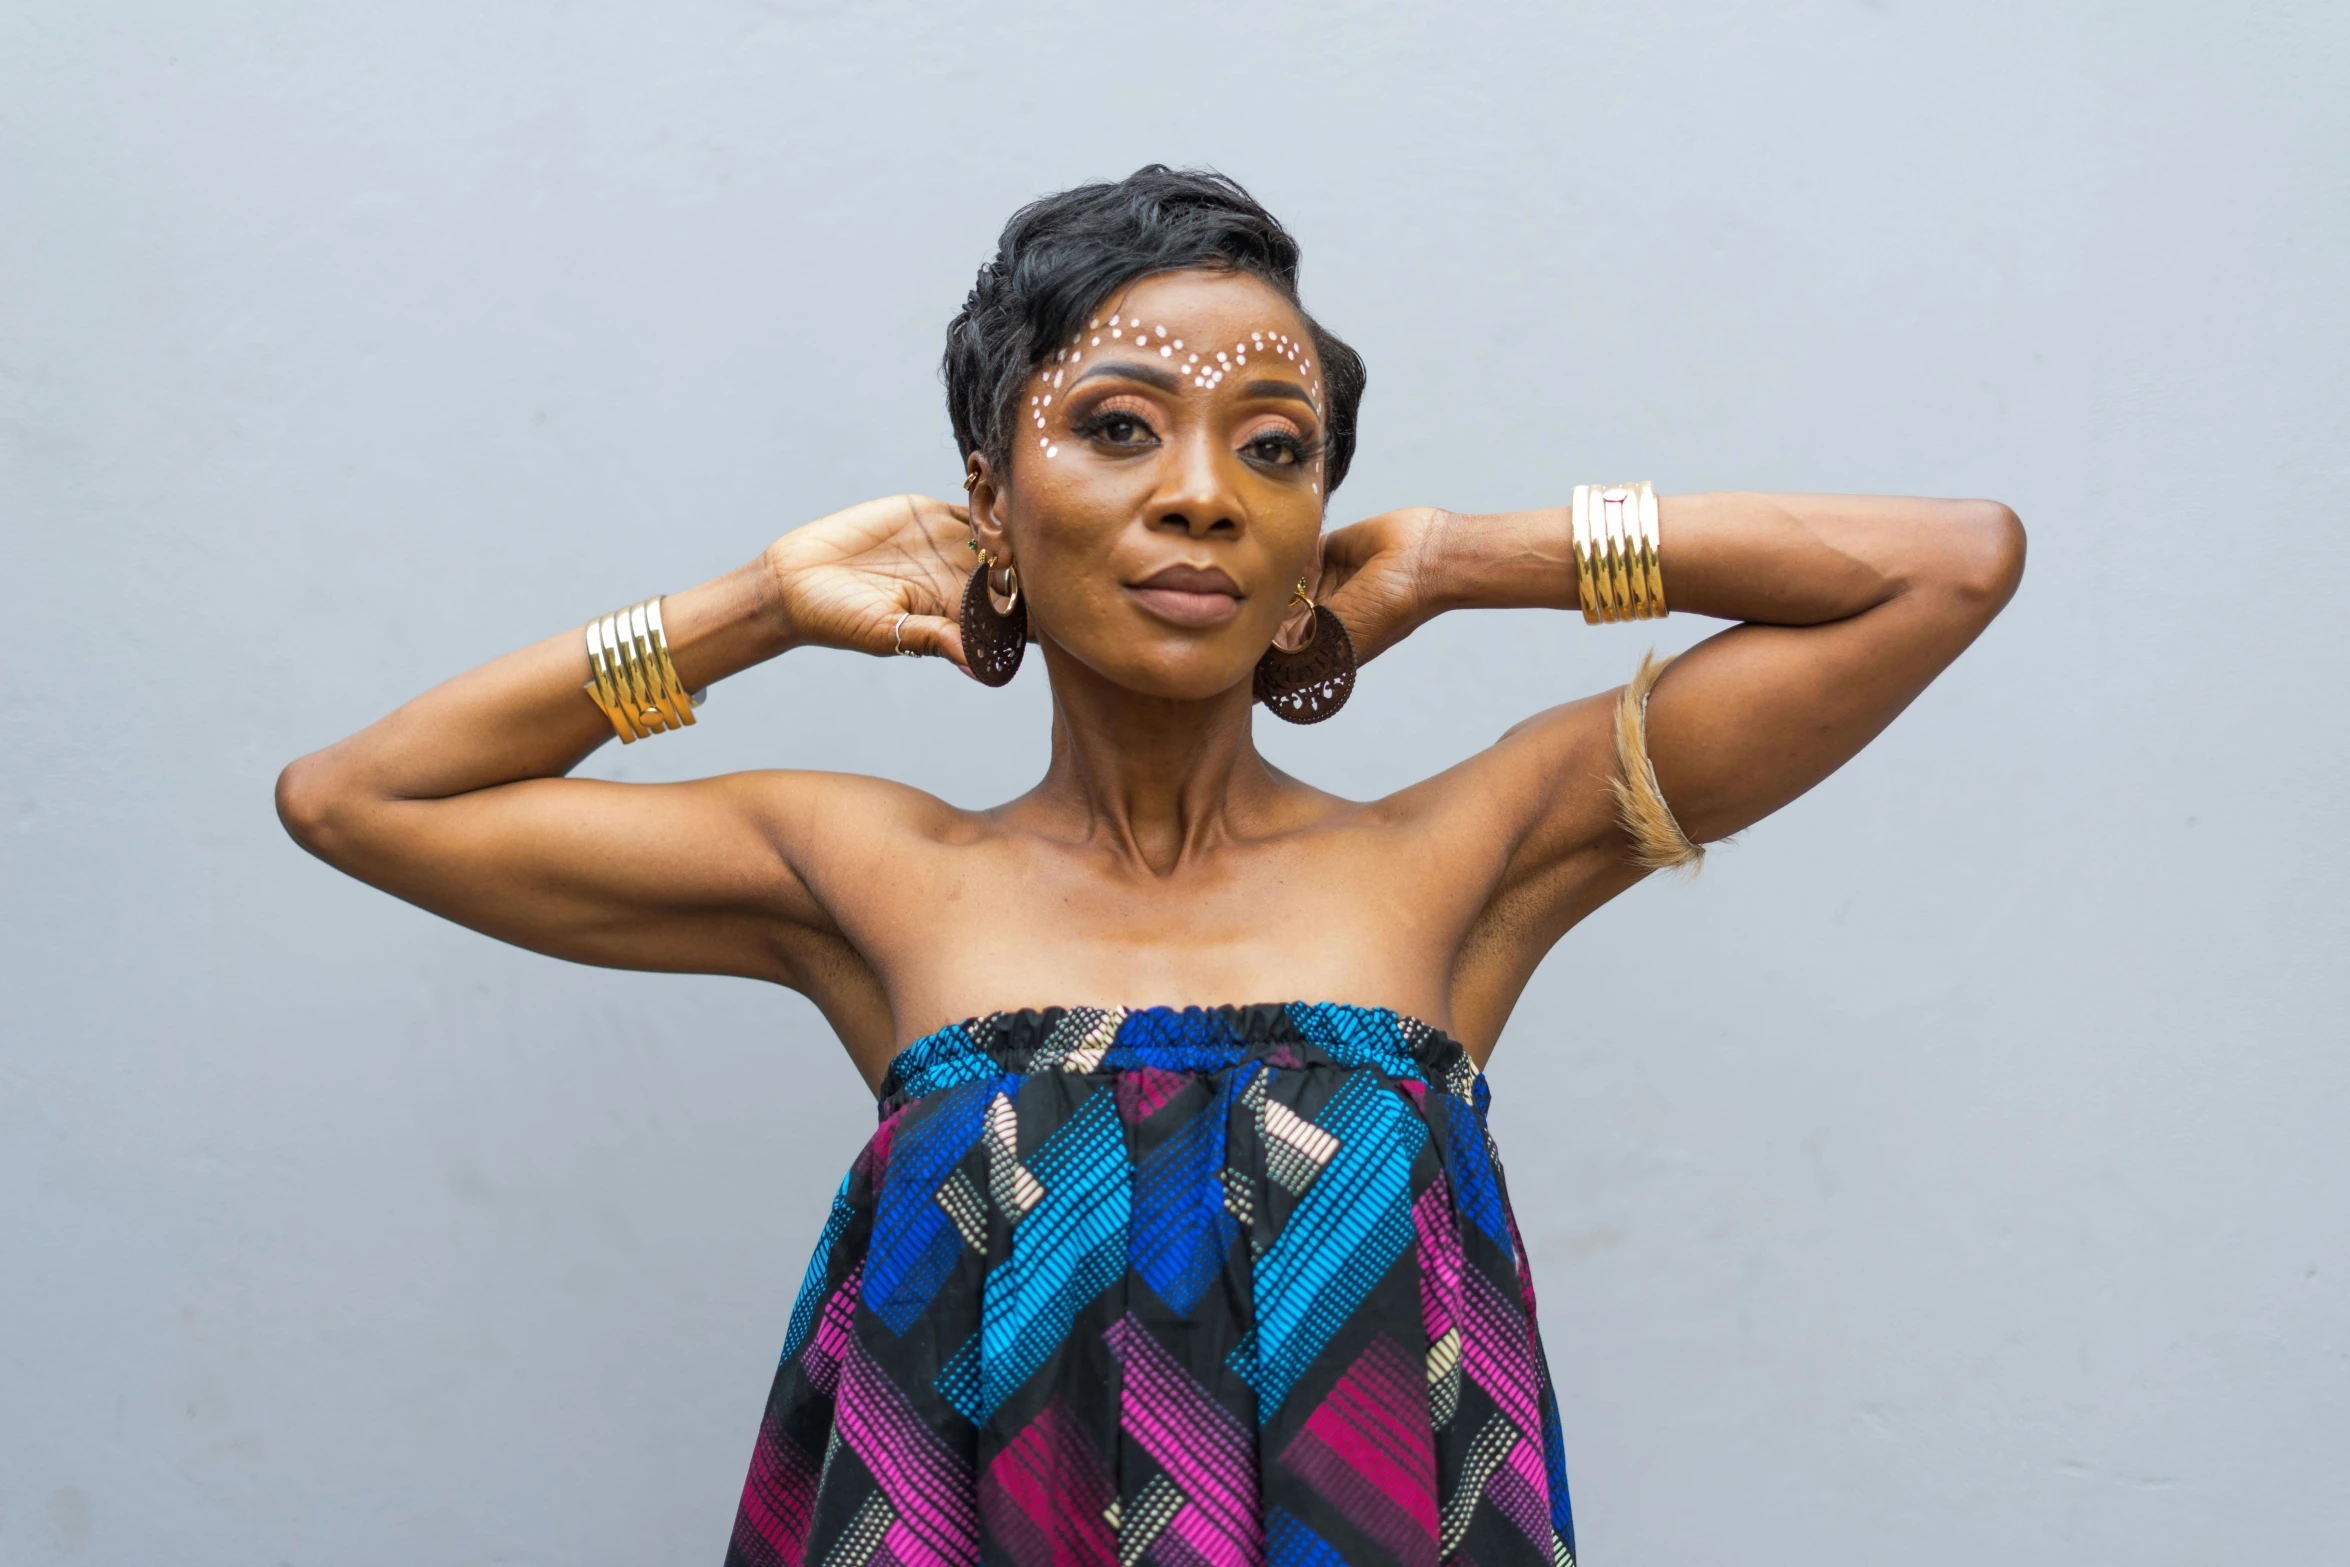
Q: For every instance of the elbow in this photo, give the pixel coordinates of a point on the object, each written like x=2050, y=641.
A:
x=1986, y=555
x=309, y=805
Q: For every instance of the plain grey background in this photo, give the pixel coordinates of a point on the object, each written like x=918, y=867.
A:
x=1954, y=1171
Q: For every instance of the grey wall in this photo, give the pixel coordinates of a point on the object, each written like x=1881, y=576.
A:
x=1953, y=1172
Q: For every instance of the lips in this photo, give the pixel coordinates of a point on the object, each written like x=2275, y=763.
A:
x=1189, y=595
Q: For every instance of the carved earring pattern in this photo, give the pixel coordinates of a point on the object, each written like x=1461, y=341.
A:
x=994, y=640
x=1312, y=683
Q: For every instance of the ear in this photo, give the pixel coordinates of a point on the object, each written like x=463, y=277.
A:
x=987, y=502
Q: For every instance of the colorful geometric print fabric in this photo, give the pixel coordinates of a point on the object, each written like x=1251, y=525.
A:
x=1228, y=1288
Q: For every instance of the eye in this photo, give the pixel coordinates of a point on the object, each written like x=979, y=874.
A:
x=1277, y=447
x=1117, y=427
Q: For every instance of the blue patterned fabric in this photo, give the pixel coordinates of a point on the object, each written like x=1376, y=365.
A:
x=1176, y=1287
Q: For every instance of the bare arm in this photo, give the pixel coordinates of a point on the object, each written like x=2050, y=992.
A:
x=457, y=801
x=1848, y=606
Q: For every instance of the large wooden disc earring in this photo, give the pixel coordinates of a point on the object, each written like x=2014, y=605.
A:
x=1314, y=682
x=993, y=639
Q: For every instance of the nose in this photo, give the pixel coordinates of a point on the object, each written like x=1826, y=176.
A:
x=1196, y=495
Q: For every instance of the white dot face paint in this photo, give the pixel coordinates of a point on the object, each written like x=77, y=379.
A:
x=1203, y=374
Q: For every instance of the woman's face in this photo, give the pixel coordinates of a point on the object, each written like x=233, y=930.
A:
x=1165, y=488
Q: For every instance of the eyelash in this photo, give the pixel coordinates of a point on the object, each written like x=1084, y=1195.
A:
x=1301, y=451
x=1098, y=423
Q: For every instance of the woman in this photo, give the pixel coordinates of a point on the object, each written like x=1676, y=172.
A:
x=1189, y=1245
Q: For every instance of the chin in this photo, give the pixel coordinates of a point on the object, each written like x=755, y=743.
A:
x=1175, y=674
x=1182, y=685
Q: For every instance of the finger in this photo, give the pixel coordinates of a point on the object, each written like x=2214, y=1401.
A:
x=945, y=513
x=933, y=636
x=932, y=519
x=948, y=538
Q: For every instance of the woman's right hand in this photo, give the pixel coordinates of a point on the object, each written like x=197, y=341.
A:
x=844, y=580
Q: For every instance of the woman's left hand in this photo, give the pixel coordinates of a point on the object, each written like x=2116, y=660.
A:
x=1378, y=576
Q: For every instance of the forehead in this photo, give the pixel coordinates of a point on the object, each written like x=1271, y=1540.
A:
x=1200, y=326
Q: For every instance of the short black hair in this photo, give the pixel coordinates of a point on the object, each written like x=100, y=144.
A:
x=1061, y=256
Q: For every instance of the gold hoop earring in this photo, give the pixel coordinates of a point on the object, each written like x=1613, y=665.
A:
x=1298, y=595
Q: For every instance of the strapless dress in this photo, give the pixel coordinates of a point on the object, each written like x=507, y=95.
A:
x=1208, y=1287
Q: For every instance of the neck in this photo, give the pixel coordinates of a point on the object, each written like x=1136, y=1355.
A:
x=1156, y=780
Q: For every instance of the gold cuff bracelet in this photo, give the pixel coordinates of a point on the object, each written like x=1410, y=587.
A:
x=1618, y=575
x=633, y=683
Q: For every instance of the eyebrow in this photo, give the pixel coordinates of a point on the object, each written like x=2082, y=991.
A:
x=1288, y=389
x=1167, y=380
x=1149, y=375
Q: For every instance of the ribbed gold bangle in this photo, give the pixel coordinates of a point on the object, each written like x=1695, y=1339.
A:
x=1635, y=556
x=1650, y=552
x=661, y=697
x=1601, y=546
x=624, y=673
x=633, y=671
x=1585, y=589
x=1619, y=574
x=609, y=688
x=632, y=667
x=652, y=691
x=675, y=705
x=1635, y=570
x=599, y=685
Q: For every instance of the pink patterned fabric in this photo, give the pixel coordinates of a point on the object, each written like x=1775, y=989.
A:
x=1231, y=1287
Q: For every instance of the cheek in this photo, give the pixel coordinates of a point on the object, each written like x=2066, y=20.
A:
x=1062, y=541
